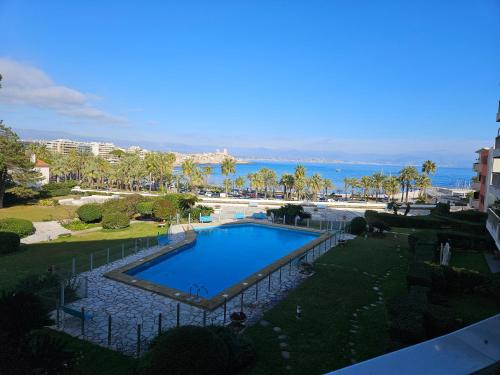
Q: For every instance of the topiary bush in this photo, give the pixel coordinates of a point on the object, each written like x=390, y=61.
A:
x=289, y=211
x=21, y=227
x=467, y=241
x=187, y=350
x=145, y=209
x=200, y=210
x=115, y=220
x=56, y=189
x=90, y=213
x=358, y=225
x=164, y=209
x=240, y=349
x=10, y=242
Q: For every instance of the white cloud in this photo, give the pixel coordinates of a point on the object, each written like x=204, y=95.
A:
x=26, y=85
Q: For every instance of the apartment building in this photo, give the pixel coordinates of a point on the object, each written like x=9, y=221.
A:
x=493, y=223
x=482, y=181
x=65, y=146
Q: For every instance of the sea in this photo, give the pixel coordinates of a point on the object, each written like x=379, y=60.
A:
x=449, y=177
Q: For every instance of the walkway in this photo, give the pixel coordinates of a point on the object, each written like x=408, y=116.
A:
x=45, y=231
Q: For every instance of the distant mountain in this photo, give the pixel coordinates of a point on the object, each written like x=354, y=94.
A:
x=442, y=158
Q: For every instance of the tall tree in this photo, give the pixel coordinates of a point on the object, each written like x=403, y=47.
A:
x=406, y=177
x=287, y=180
x=315, y=184
x=188, y=170
x=366, y=183
x=268, y=177
x=378, y=181
x=422, y=182
x=227, y=167
x=240, y=182
x=15, y=166
x=207, y=172
x=429, y=167
x=391, y=187
x=300, y=171
x=327, y=184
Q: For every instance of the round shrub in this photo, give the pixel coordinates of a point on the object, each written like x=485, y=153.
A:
x=145, y=208
x=164, y=209
x=187, y=350
x=48, y=202
x=240, y=349
x=358, y=225
x=10, y=242
x=115, y=220
x=90, y=213
x=116, y=205
x=21, y=227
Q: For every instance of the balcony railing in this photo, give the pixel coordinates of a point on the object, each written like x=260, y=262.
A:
x=493, y=226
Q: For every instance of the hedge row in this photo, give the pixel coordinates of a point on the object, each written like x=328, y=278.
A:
x=10, y=242
x=21, y=227
x=425, y=222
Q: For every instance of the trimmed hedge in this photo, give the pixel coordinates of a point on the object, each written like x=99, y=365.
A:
x=200, y=210
x=419, y=274
x=470, y=215
x=164, y=209
x=21, y=227
x=439, y=320
x=422, y=237
x=358, y=225
x=145, y=208
x=447, y=279
x=115, y=220
x=10, y=242
x=55, y=189
x=466, y=241
x=289, y=211
x=90, y=213
x=406, y=322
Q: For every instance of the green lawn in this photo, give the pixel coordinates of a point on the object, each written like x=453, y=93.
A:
x=472, y=260
x=34, y=212
x=319, y=341
x=37, y=258
x=93, y=359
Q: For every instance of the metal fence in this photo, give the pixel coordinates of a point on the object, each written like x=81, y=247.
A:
x=131, y=334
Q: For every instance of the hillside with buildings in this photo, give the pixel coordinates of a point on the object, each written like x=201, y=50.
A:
x=104, y=150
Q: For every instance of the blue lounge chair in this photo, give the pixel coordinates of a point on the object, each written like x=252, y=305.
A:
x=259, y=216
x=206, y=219
x=239, y=216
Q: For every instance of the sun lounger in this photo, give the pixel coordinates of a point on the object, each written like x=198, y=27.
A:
x=259, y=216
x=253, y=204
x=206, y=219
x=239, y=216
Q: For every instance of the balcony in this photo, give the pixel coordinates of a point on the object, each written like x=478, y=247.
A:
x=475, y=166
x=493, y=226
x=476, y=186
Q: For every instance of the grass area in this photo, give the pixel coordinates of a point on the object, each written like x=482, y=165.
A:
x=93, y=359
x=319, y=341
x=34, y=212
x=77, y=225
x=37, y=258
x=472, y=260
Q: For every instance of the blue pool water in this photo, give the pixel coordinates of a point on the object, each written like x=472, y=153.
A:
x=221, y=257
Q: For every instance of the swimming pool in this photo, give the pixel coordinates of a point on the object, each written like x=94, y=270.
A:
x=221, y=257
x=217, y=259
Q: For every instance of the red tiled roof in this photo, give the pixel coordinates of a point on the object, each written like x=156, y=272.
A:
x=41, y=163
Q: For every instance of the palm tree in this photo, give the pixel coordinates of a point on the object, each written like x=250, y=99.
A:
x=429, y=167
x=422, y=182
x=315, y=184
x=366, y=183
x=207, y=171
x=378, y=181
x=300, y=171
x=188, y=170
x=287, y=180
x=347, y=183
x=240, y=182
x=391, y=187
x=327, y=184
x=268, y=177
x=256, y=181
x=406, y=176
x=299, y=186
x=227, y=167
x=227, y=184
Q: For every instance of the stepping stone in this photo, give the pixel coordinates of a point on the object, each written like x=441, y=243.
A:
x=372, y=304
x=264, y=323
x=285, y=355
x=283, y=344
x=288, y=367
x=277, y=329
x=282, y=337
x=353, y=331
x=355, y=326
x=351, y=344
x=354, y=314
x=375, y=288
x=365, y=307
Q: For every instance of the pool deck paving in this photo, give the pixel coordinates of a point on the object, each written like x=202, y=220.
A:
x=129, y=306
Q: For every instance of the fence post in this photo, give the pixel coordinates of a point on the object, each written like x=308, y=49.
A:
x=290, y=267
x=177, y=218
x=135, y=246
x=123, y=250
x=138, y=340
x=308, y=223
x=241, y=300
x=83, y=322
x=159, y=323
x=320, y=222
x=204, y=318
x=58, y=314
x=107, y=255
x=178, y=314
x=189, y=218
x=147, y=242
x=109, y=330
x=269, y=282
x=225, y=310
x=257, y=290
x=284, y=219
x=86, y=288
x=280, y=277
x=73, y=266
x=91, y=261
x=62, y=293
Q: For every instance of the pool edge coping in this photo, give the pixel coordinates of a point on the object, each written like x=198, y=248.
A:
x=210, y=304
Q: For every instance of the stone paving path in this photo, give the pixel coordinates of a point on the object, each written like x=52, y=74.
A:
x=45, y=231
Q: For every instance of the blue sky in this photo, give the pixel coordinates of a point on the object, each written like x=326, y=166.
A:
x=367, y=80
